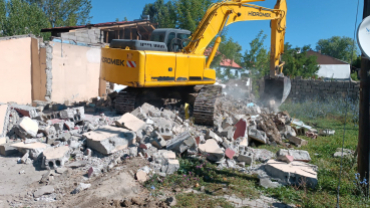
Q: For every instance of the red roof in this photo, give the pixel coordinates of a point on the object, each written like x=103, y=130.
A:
x=224, y=62
x=91, y=25
x=230, y=63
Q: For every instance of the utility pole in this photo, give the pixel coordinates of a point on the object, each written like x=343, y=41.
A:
x=364, y=127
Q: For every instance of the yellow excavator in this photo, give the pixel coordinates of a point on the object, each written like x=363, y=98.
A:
x=171, y=67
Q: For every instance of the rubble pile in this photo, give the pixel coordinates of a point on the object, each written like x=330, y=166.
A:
x=72, y=139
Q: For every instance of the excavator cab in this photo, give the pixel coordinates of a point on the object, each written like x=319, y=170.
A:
x=164, y=39
x=175, y=39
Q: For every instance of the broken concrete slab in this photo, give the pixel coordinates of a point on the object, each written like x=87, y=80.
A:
x=26, y=110
x=285, y=158
x=7, y=150
x=34, y=148
x=258, y=135
x=346, y=152
x=43, y=190
x=267, y=183
x=212, y=135
x=61, y=170
x=212, y=150
x=28, y=127
x=54, y=158
x=77, y=164
x=181, y=143
x=229, y=153
x=109, y=139
x=297, y=141
x=294, y=173
x=131, y=122
x=81, y=187
x=171, y=166
x=298, y=155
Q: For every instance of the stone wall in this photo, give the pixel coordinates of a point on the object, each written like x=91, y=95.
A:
x=303, y=89
x=92, y=36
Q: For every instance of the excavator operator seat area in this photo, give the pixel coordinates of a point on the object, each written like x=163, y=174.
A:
x=173, y=38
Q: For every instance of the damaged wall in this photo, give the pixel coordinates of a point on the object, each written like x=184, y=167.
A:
x=56, y=72
x=322, y=89
x=75, y=72
x=16, y=64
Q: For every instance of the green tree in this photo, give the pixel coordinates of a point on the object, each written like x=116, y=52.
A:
x=338, y=47
x=256, y=60
x=65, y=12
x=190, y=13
x=164, y=14
x=297, y=63
x=18, y=18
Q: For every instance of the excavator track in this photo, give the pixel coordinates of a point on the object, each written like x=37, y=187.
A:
x=126, y=100
x=204, y=105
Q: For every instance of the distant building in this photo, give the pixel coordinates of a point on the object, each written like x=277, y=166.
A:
x=226, y=64
x=330, y=67
x=103, y=33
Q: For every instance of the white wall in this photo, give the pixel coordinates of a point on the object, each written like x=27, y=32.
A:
x=335, y=71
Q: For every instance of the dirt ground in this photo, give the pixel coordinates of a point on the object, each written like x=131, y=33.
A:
x=107, y=189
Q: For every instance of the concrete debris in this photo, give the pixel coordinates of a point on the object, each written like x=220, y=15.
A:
x=212, y=135
x=327, y=132
x=141, y=176
x=346, y=152
x=266, y=123
x=43, y=190
x=26, y=110
x=93, y=172
x=108, y=139
x=258, y=135
x=241, y=130
x=35, y=149
x=298, y=155
x=267, y=183
x=3, y=140
x=130, y=122
x=61, y=170
x=297, y=141
x=27, y=128
x=312, y=135
x=81, y=187
x=55, y=158
x=211, y=150
x=77, y=164
x=4, y=120
x=181, y=143
x=295, y=173
x=7, y=150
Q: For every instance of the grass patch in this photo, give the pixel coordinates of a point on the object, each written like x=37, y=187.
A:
x=200, y=200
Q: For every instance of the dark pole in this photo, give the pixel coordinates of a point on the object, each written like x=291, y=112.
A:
x=364, y=128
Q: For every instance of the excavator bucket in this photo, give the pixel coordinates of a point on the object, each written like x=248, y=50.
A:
x=277, y=88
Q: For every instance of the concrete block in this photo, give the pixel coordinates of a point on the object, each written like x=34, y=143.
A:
x=212, y=150
x=258, y=135
x=298, y=155
x=164, y=127
x=7, y=150
x=108, y=139
x=54, y=158
x=168, y=114
x=267, y=183
x=297, y=141
x=227, y=122
x=246, y=157
x=131, y=122
x=212, y=135
x=69, y=125
x=241, y=129
x=171, y=166
x=43, y=191
x=26, y=110
x=181, y=143
x=28, y=126
x=294, y=173
x=228, y=132
x=261, y=155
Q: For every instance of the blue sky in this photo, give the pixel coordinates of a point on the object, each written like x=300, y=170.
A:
x=307, y=20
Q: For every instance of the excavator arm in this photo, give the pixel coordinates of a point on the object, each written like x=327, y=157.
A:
x=222, y=14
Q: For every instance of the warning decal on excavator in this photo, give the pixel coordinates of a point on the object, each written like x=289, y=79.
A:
x=131, y=64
